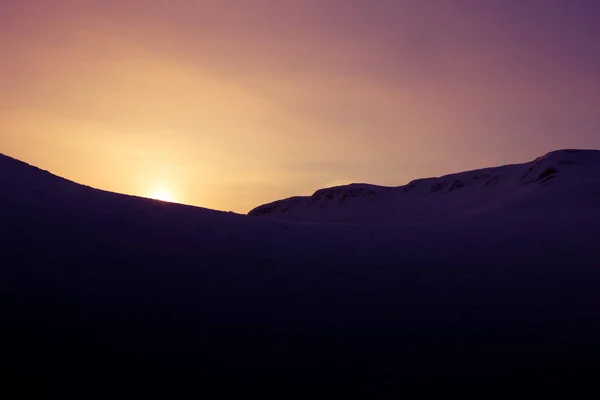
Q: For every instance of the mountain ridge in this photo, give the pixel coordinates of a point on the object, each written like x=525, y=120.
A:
x=516, y=180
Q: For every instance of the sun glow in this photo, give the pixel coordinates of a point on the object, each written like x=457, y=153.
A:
x=161, y=193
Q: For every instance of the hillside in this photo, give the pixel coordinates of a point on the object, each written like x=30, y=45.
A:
x=92, y=280
x=565, y=177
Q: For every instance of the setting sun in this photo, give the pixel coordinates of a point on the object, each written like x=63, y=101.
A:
x=161, y=193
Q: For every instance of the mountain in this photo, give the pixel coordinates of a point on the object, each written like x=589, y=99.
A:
x=503, y=290
x=565, y=177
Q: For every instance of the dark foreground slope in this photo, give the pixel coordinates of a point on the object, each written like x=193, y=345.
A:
x=98, y=283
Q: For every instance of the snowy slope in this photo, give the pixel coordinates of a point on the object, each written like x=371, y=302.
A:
x=118, y=283
x=569, y=176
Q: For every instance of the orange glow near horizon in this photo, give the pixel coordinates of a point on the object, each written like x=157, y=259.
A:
x=229, y=104
x=162, y=193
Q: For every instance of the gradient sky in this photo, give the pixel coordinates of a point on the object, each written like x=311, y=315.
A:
x=228, y=104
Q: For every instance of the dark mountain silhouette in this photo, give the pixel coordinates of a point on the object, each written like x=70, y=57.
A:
x=503, y=291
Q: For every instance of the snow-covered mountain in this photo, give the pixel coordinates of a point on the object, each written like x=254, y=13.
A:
x=566, y=177
x=500, y=285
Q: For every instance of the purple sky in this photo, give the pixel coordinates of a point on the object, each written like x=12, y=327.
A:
x=228, y=104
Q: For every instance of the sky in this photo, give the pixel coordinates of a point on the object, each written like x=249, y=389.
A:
x=228, y=104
